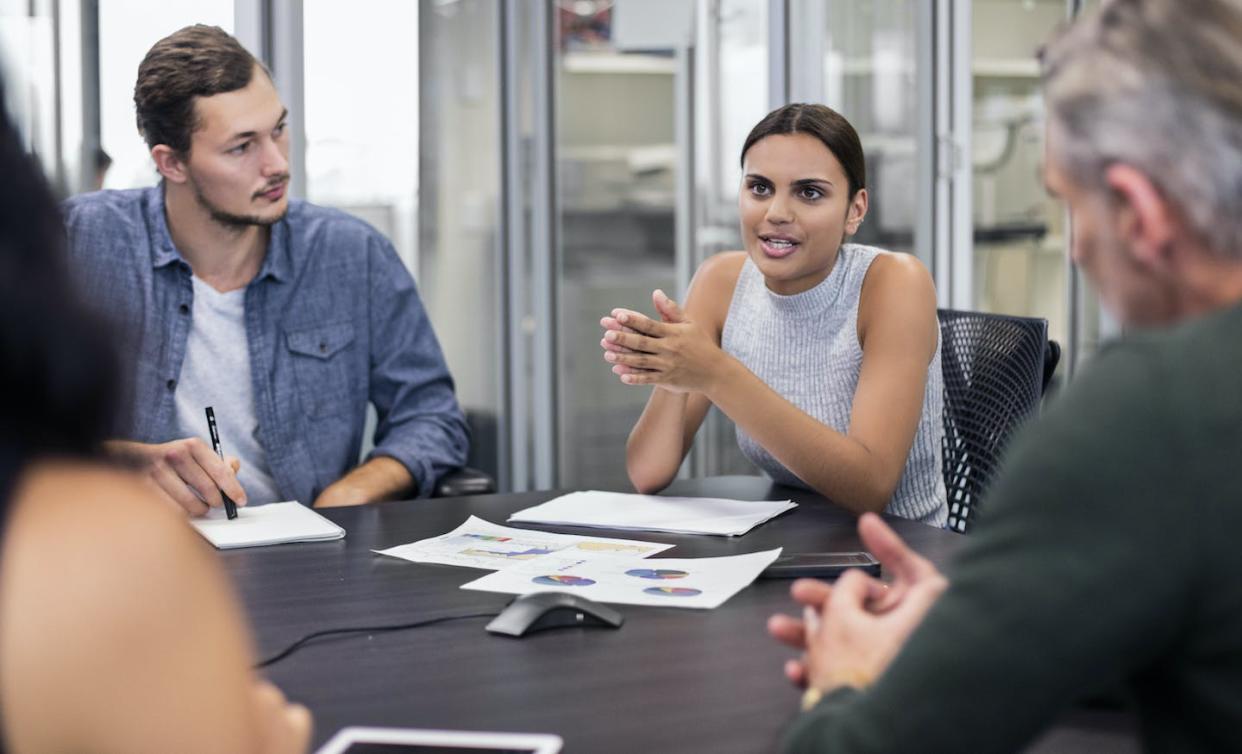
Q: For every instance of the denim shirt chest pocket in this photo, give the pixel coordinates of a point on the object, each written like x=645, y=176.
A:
x=322, y=365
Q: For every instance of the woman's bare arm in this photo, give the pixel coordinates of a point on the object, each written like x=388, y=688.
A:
x=665, y=432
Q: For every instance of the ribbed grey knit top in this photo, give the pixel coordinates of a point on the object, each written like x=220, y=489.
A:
x=805, y=347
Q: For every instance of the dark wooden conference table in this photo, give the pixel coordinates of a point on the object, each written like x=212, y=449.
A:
x=669, y=680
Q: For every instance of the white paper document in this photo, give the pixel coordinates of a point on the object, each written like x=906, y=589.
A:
x=702, y=583
x=481, y=544
x=679, y=515
x=270, y=524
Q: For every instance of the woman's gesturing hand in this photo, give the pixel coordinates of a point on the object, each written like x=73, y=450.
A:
x=675, y=353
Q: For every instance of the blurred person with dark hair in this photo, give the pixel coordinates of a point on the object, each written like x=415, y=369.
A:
x=288, y=318
x=1108, y=555
x=118, y=632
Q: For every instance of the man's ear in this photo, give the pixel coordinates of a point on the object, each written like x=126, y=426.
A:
x=1145, y=221
x=169, y=164
x=856, y=212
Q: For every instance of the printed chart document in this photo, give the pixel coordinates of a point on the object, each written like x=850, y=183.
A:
x=271, y=524
x=702, y=583
x=481, y=544
x=679, y=515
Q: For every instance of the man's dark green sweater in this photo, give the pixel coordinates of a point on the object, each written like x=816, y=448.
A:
x=1108, y=553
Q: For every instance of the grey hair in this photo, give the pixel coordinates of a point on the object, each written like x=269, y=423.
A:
x=1156, y=85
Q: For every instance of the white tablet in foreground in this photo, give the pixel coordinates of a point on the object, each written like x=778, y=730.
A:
x=359, y=740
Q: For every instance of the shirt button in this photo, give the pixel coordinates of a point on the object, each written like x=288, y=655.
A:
x=323, y=348
x=171, y=384
x=184, y=309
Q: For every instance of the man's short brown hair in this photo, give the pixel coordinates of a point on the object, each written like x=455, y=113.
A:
x=197, y=61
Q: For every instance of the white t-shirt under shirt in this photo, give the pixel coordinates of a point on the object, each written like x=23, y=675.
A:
x=216, y=373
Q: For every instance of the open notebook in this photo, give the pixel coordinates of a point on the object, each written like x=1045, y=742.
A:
x=271, y=524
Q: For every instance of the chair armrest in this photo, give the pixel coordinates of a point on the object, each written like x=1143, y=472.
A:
x=465, y=481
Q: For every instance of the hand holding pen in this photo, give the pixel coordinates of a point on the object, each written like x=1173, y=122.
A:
x=185, y=472
x=229, y=508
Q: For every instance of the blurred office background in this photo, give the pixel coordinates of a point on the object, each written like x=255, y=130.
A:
x=539, y=162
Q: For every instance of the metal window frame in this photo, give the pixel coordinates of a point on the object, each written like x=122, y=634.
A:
x=273, y=32
x=953, y=253
x=778, y=53
x=805, y=52
x=925, y=135
x=531, y=244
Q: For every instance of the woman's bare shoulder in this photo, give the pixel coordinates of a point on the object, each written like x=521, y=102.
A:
x=721, y=270
x=903, y=271
x=711, y=291
x=898, y=292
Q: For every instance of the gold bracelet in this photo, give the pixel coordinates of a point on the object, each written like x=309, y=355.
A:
x=856, y=678
x=810, y=698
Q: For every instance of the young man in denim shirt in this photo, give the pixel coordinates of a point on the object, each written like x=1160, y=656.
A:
x=286, y=317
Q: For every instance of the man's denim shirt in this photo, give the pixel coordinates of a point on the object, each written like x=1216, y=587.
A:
x=333, y=320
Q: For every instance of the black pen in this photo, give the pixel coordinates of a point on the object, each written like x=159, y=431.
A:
x=230, y=509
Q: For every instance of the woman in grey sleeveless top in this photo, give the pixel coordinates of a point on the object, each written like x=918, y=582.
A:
x=825, y=354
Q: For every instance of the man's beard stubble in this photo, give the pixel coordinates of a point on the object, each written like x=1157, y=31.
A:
x=237, y=222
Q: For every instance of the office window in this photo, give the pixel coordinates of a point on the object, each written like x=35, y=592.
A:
x=1020, y=241
x=460, y=274
x=27, y=66
x=869, y=51
x=361, y=93
x=616, y=169
x=127, y=30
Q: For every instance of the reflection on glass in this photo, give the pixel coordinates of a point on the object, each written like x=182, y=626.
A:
x=127, y=29
x=615, y=169
x=459, y=172
x=869, y=77
x=361, y=94
x=1020, y=261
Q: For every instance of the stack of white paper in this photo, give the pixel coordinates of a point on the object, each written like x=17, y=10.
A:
x=271, y=524
x=679, y=515
x=702, y=583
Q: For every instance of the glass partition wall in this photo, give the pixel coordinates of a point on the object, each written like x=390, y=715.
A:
x=615, y=101
x=461, y=265
x=1021, y=264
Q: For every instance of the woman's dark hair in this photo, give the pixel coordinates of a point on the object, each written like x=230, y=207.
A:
x=58, y=371
x=823, y=123
x=197, y=61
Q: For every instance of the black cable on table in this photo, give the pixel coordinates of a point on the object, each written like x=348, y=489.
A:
x=295, y=646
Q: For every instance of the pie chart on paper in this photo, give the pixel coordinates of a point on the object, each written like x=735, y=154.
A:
x=672, y=591
x=562, y=581
x=656, y=573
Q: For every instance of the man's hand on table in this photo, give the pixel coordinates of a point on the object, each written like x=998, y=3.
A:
x=852, y=630
x=381, y=478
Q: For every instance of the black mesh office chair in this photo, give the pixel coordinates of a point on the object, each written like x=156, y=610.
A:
x=995, y=369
